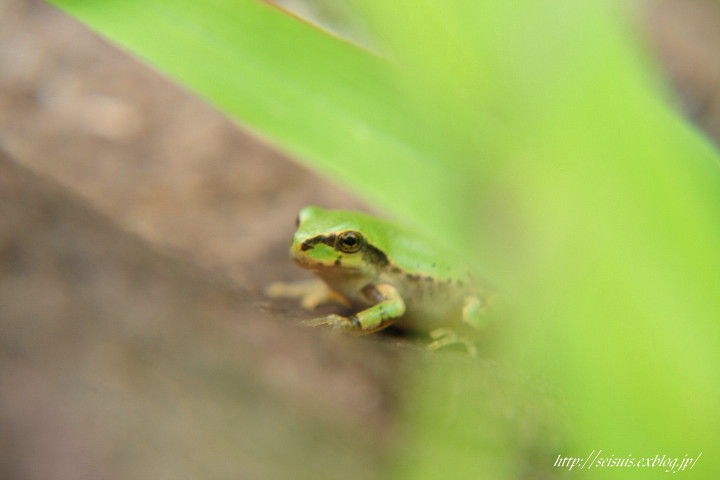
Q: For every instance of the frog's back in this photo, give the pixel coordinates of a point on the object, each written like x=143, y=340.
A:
x=433, y=286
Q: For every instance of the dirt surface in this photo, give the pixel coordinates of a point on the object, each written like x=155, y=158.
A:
x=155, y=159
x=137, y=230
x=120, y=361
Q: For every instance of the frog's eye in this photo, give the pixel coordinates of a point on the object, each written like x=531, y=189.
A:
x=349, y=242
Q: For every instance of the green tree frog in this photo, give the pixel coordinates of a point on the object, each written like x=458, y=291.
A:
x=386, y=273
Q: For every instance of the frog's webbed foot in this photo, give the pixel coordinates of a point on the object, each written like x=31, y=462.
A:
x=310, y=293
x=443, y=337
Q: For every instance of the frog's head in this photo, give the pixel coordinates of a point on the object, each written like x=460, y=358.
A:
x=334, y=241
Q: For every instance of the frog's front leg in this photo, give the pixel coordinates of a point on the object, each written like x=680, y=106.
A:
x=311, y=293
x=389, y=306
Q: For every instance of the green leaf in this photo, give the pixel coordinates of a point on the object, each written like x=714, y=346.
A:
x=327, y=102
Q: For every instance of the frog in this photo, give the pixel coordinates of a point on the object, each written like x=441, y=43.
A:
x=387, y=275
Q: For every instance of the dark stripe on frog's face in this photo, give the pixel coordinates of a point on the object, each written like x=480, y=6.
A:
x=370, y=254
x=328, y=240
x=374, y=256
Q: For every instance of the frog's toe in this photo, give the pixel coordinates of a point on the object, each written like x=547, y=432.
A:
x=474, y=312
x=310, y=293
x=443, y=337
x=310, y=302
x=276, y=290
x=336, y=322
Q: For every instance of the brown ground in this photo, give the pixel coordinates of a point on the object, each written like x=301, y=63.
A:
x=137, y=229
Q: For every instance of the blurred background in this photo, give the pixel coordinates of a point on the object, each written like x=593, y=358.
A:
x=120, y=192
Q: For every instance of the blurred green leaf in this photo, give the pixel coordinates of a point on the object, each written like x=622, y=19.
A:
x=610, y=255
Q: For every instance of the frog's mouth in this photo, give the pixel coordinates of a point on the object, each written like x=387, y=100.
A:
x=310, y=263
x=320, y=265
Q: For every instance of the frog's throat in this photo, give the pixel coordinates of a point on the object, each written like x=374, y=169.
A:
x=323, y=266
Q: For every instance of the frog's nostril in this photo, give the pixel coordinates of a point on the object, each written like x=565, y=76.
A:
x=306, y=245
